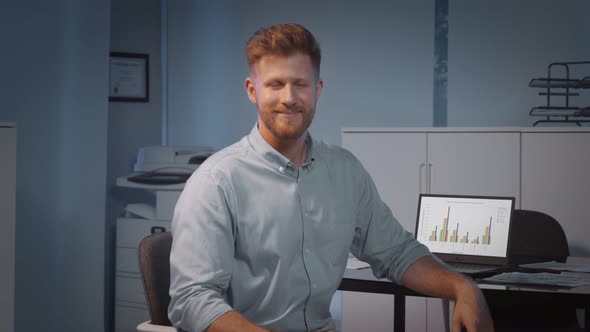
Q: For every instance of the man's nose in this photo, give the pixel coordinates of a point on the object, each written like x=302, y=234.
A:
x=288, y=95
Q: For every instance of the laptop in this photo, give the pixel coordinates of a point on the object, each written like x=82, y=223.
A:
x=469, y=233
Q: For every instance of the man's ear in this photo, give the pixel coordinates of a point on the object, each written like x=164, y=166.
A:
x=319, y=86
x=249, y=85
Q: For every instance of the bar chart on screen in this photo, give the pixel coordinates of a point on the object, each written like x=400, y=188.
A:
x=465, y=226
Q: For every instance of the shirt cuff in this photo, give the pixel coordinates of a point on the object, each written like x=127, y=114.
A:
x=409, y=257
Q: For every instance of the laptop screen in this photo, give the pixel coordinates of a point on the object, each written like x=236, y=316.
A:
x=471, y=229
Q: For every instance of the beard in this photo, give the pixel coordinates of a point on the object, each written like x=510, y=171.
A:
x=287, y=127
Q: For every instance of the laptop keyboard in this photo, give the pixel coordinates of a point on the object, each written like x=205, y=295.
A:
x=470, y=267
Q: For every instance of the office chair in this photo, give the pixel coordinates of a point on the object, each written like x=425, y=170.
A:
x=534, y=237
x=154, y=265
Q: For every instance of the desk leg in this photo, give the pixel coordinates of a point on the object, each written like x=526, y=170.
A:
x=399, y=313
x=586, y=319
x=446, y=315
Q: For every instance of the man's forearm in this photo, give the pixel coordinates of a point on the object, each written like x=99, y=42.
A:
x=430, y=277
x=233, y=321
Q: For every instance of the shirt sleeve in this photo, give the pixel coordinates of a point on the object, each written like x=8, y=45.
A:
x=379, y=238
x=202, y=251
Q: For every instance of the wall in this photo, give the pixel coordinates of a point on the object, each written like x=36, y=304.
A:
x=135, y=28
x=377, y=65
x=54, y=85
x=377, y=62
x=497, y=47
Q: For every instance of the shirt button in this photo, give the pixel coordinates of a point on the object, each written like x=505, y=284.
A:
x=307, y=251
x=281, y=169
x=315, y=285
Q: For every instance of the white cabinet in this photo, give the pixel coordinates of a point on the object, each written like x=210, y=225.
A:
x=406, y=162
x=7, y=224
x=556, y=180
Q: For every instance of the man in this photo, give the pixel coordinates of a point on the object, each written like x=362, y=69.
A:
x=263, y=228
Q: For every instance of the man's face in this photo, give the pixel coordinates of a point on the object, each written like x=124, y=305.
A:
x=285, y=90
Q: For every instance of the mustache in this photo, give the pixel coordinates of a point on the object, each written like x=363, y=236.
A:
x=294, y=109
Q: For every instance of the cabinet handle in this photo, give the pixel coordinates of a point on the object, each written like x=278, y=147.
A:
x=158, y=229
x=420, y=177
x=429, y=179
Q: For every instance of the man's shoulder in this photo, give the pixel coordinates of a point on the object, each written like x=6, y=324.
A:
x=334, y=153
x=225, y=158
x=217, y=169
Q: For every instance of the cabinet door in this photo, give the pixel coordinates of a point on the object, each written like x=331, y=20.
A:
x=556, y=180
x=394, y=162
x=7, y=226
x=475, y=163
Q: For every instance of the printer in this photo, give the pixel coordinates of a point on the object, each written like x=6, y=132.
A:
x=162, y=170
x=183, y=159
x=167, y=165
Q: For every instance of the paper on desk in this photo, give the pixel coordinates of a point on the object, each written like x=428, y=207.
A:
x=547, y=279
x=559, y=266
x=354, y=264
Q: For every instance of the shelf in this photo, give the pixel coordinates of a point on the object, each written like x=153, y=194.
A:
x=554, y=83
x=560, y=111
x=584, y=83
x=559, y=94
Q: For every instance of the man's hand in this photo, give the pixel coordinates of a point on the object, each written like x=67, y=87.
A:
x=232, y=321
x=471, y=310
x=429, y=276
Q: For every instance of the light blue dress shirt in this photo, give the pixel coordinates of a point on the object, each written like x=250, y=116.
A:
x=253, y=233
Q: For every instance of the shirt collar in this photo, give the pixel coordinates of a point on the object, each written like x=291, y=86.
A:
x=276, y=158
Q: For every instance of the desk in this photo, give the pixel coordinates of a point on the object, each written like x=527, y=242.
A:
x=364, y=281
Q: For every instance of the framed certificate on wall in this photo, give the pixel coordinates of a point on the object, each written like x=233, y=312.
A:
x=129, y=77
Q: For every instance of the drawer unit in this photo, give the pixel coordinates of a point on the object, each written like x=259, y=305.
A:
x=127, y=260
x=130, y=290
x=130, y=231
x=127, y=317
x=130, y=302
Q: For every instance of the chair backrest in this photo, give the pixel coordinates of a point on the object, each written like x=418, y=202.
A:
x=154, y=264
x=536, y=237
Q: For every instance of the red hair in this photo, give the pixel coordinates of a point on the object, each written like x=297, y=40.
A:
x=284, y=39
